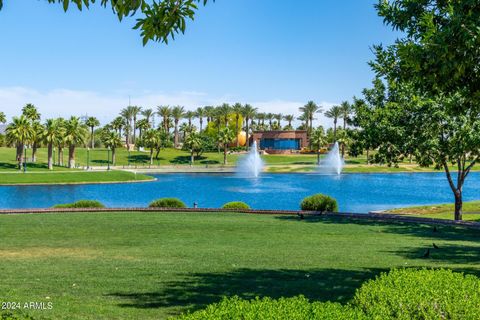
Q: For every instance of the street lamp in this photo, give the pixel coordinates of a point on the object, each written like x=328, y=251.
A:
x=108, y=158
x=88, y=158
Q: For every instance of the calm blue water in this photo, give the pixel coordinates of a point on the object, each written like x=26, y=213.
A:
x=354, y=192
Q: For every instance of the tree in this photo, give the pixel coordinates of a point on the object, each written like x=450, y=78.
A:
x=200, y=113
x=52, y=135
x=225, y=137
x=134, y=111
x=177, y=114
x=433, y=86
x=319, y=140
x=3, y=118
x=269, y=117
x=309, y=111
x=127, y=114
x=346, y=111
x=117, y=124
x=75, y=133
x=278, y=117
x=165, y=112
x=209, y=113
x=224, y=111
x=149, y=114
x=61, y=143
x=20, y=133
x=36, y=139
x=31, y=112
x=189, y=115
x=237, y=109
x=193, y=142
x=289, y=118
x=111, y=140
x=92, y=122
x=248, y=113
x=334, y=113
x=154, y=140
x=157, y=20
x=143, y=125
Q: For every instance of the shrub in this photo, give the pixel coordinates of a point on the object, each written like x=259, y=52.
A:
x=236, y=205
x=81, y=204
x=420, y=294
x=267, y=308
x=167, y=203
x=319, y=202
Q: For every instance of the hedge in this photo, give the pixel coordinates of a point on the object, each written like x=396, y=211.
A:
x=81, y=204
x=167, y=203
x=319, y=202
x=235, y=205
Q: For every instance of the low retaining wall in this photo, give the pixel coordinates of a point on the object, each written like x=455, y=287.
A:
x=302, y=214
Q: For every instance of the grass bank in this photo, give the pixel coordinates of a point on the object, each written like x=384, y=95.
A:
x=471, y=211
x=70, y=177
x=152, y=266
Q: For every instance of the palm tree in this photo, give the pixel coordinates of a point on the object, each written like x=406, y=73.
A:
x=278, y=117
x=193, y=141
x=289, y=118
x=261, y=116
x=165, y=112
x=36, y=138
x=346, y=110
x=61, y=142
x=149, y=114
x=75, y=133
x=142, y=125
x=92, y=122
x=19, y=132
x=152, y=139
x=184, y=129
x=226, y=137
x=31, y=112
x=200, y=113
x=3, y=118
x=189, y=115
x=304, y=119
x=209, y=111
x=269, y=118
x=117, y=124
x=135, y=111
x=111, y=140
x=237, y=109
x=177, y=114
x=224, y=110
x=248, y=113
x=309, y=110
x=318, y=141
x=52, y=135
x=127, y=114
x=334, y=113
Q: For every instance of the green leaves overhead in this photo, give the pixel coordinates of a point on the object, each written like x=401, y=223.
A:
x=159, y=20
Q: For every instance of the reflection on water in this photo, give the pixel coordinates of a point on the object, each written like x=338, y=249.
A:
x=354, y=192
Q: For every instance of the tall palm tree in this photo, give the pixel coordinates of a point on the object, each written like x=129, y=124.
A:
x=225, y=137
x=127, y=114
x=318, y=141
x=269, y=117
x=225, y=110
x=19, y=132
x=200, y=113
x=149, y=114
x=278, y=117
x=177, y=114
x=248, y=113
x=189, y=115
x=3, y=118
x=304, y=119
x=53, y=133
x=75, y=133
x=111, y=140
x=261, y=116
x=289, y=118
x=193, y=142
x=237, y=109
x=309, y=110
x=135, y=110
x=334, y=113
x=143, y=125
x=92, y=122
x=61, y=143
x=117, y=124
x=165, y=112
x=37, y=138
x=152, y=140
x=346, y=110
x=209, y=112
x=31, y=112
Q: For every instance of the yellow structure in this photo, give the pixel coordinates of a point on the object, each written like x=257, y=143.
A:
x=242, y=138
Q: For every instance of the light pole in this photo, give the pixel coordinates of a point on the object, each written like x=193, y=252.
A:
x=88, y=158
x=108, y=158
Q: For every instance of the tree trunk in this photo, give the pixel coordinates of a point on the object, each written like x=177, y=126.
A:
x=113, y=156
x=201, y=124
x=192, y=158
x=93, y=139
x=335, y=130
x=368, y=160
x=458, y=205
x=176, y=134
x=50, y=156
x=225, y=154
x=71, y=156
x=34, y=152
x=457, y=190
x=343, y=150
x=134, y=130
x=158, y=152
x=151, y=156
x=318, y=157
x=20, y=159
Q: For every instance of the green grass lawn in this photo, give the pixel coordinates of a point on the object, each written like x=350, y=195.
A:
x=471, y=211
x=57, y=177
x=152, y=266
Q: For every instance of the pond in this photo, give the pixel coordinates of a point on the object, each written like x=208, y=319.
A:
x=354, y=192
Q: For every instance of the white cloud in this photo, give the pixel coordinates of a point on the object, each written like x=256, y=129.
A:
x=66, y=102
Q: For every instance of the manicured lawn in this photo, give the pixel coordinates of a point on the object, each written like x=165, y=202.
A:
x=70, y=177
x=155, y=265
x=471, y=211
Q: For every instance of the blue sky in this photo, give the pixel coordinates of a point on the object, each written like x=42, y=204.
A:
x=275, y=54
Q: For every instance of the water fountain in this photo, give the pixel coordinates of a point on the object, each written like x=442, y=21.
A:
x=252, y=164
x=333, y=162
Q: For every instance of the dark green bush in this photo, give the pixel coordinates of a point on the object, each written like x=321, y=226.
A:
x=420, y=294
x=8, y=315
x=319, y=202
x=281, y=309
x=236, y=205
x=81, y=204
x=167, y=203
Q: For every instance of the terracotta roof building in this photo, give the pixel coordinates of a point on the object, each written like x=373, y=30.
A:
x=280, y=141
